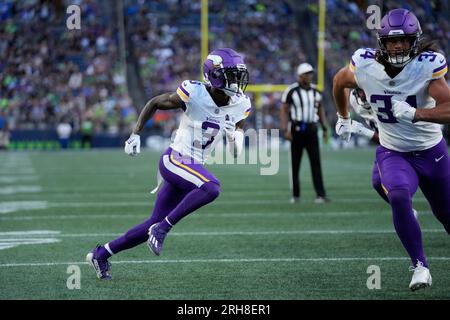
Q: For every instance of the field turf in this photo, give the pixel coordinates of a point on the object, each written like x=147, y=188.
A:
x=251, y=243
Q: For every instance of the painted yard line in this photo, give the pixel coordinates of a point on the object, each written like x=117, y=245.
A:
x=106, y=203
x=28, y=240
x=116, y=196
x=243, y=233
x=13, y=239
x=17, y=165
x=10, y=179
x=104, y=186
x=6, y=207
x=7, y=246
x=365, y=193
x=284, y=214
x=75, y=217
x=282, y=232
x=19, y=172
x=10, y=190
x=13, y=206
x=30, y=233
x=249, y=260
x=276, y=202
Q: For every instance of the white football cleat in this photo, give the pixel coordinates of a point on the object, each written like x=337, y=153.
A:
x=421, y=277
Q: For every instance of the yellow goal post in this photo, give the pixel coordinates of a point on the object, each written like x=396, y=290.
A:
x=259, y=89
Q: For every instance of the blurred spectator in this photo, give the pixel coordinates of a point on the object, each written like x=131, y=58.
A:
x=347, y=30
x=48, y=72
x=64, y=130
x=4, y=133
x=166, y=38
x=87, y=129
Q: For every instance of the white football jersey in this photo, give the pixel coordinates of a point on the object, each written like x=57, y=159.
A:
x=410, y=85
x=364, y=111
x=203, y=121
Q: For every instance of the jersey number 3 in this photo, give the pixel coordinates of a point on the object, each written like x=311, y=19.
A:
x=209, y=130
x=384, y=113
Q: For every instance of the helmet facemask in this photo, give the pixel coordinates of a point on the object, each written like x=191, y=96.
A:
x=400, y=24
x=236, y=80
x=399, y=58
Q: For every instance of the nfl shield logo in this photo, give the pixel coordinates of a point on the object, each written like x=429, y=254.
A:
x=216, y=111
x=392, y=83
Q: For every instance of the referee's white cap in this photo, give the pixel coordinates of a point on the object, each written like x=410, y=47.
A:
x=304, y=68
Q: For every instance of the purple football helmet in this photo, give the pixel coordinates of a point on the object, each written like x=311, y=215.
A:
x=224, y=69
x=399, y=23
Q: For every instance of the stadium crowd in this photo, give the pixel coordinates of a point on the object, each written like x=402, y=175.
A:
x=352, y=32
x=166, y=38
x=49, y=74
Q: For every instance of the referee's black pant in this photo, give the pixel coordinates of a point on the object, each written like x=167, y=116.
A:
x=304, y=136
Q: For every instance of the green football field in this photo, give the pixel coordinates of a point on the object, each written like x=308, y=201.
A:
x=251, y=243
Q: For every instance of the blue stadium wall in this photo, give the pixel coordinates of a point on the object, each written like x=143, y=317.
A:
x=48, y=140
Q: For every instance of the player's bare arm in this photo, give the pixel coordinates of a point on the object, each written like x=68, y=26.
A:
x=165, y=101
x=439, y=91
x=343, y=79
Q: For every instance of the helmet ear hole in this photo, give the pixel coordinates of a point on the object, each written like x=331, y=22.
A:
x=216, y=74
x=218, y=78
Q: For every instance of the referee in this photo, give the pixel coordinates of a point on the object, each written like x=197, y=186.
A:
x=300, y=111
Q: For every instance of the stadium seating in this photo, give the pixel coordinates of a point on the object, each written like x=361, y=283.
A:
x=48, y=72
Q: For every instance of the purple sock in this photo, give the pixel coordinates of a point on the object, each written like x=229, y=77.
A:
x=195, y=199
x=103, y=253
x=168, y=197
x=406, y=225
x=135, y=236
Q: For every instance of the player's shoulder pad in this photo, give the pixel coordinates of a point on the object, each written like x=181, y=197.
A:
x=435, y=64
x=244, y=107
x=188, y=89
x=361, y=58
x=247, y=106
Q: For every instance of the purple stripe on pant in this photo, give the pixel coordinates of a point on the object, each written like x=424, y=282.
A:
x=376, y=182
x=183, y=171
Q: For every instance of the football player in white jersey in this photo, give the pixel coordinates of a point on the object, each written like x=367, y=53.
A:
x=405, y=86
x=210, y=109
x=358, y=102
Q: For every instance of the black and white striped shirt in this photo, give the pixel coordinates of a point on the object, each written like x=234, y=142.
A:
x=303, y=103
